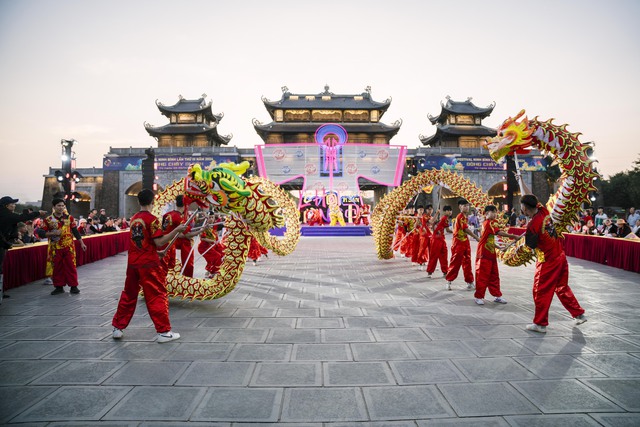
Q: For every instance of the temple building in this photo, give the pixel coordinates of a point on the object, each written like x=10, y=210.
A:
x=296, y=117
x=458, y=145
x=191, y=124
x=459, y=124
x=359, y=159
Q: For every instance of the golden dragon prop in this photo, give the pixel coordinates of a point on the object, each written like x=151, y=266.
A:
x=384, y=215
x=571, y=155
x=254, y=206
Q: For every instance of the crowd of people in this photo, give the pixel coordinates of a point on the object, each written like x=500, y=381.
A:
x=420, y=237
x=601, y=225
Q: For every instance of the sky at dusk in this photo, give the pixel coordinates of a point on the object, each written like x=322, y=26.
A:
x=92, y=70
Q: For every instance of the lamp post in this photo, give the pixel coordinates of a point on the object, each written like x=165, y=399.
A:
x=67, y=176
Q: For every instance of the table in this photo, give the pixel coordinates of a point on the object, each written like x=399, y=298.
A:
x=26, y=264
x=611, y=251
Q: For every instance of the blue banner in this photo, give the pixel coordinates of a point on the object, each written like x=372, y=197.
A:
x=163, y=162
x=456, y=162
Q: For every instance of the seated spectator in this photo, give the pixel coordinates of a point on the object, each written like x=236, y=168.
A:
x=92, y=228
x=622, y=228
x=125, y=224
x=25, y=232
x=635, y=227
x=609, y=228
x=589, y=228
x=103, y=218
x=82, y=227
x=108, y=226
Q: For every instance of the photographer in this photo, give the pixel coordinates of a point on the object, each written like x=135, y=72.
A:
x=9, y=228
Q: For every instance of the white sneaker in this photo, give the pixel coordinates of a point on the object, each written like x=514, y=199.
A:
x=48, y=281
x=117, y=333
x=447, y=286
x=470, y=286
x=580, y=319
x=537, y=328
x=500, y=300
x=479, y=301
x=429, y=276
x=168, y=336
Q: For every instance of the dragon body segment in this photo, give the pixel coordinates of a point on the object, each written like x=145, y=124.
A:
x=254, y=206
x=568, y=152
x=383, y=217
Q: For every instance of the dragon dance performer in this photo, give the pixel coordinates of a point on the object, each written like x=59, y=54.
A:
x=487, y=275
x=410, y=226
x=552, y=269
x=256, y=250
x=400, y=231
x=438, y=249
x=184, y=242
x=335, y=213
x=362, y=217
x=460, y=248
x=61, y=228
x=211, y=246
x=417, y=242
x=144, y=271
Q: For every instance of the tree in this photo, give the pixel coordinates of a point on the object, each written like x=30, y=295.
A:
x=623, y=188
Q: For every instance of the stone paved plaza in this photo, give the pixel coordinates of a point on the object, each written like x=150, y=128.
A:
x=328, y=336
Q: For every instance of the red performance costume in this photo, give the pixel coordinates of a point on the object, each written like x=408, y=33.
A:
x=62, y=251
x=552, y=269
x=460, y=251
x=438, y=249
x=487, y=275
x=170, y=221
x=144, y=271
x=211, y=252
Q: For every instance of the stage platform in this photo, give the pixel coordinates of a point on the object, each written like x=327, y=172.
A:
x=327, y=230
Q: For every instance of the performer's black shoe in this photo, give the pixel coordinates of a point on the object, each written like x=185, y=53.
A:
x=74, y=290
x=58, y=290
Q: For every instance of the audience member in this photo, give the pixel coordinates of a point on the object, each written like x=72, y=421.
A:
x=609, y=229
x=622, y=228
x=600, y=217
x=633, y=216
x=103, y=218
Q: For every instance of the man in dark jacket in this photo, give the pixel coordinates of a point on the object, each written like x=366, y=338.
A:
x=9, y=229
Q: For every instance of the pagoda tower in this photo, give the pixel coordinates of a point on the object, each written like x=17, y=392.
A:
x=296, y=117
x=191, y=124
x=459, y=124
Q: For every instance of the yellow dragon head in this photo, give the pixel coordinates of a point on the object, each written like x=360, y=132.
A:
x=512, y=136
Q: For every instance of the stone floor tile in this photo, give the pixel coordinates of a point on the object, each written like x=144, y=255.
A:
x=261, y=352
x=381, y=351
x=323, y=405
x=320, y=323
x=217, y=374
x=366, y=322
x=357, y=374
x=157, y=403
x=613, y=365
x=241, y=335
x=493, y=369
x=425, y=372
x=440, y=350
x=399, y=334
x=558, y=366
x=618, y=420
x=623, y=392
x=471, y=422
x=573, y=420
x=497, y=347
x=347, y=335
x=22, y=372
x=15, y=399
x=410, y=402
x=188, y=351
x=239, y=404
x=80, y=372
x=287, y=375
x=294, y=336
x=87, y=403
x=321, y=352
x=564, y=396
x=149, y=372
x=484, y=399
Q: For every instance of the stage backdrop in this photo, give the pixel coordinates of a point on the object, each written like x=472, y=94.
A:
x=382, y=164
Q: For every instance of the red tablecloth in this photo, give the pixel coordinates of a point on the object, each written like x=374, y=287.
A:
x=27, y=263
x=611, y=251
x=619, y=253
